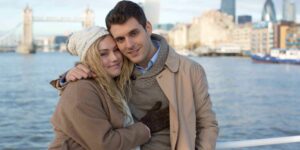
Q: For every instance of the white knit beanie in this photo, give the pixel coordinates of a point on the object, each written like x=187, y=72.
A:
x=79, y=42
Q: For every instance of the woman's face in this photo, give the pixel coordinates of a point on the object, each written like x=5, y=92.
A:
x=111, y=57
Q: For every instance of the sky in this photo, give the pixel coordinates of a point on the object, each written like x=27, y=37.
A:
x=184, y=10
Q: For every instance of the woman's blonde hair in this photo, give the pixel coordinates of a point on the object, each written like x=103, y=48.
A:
x=115, y=87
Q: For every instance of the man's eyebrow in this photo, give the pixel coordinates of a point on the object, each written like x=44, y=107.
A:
x=131, y=31
x=134, y=30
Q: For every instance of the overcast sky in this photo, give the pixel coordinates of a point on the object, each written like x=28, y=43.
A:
x=171, y=11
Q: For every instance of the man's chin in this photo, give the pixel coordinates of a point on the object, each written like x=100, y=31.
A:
x=135, y=60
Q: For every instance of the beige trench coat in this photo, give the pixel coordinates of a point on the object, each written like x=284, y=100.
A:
x=192, y=122
x=86, y=118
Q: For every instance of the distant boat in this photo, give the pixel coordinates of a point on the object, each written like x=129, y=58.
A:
x=291, y=56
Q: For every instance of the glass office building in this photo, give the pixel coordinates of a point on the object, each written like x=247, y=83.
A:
x=269, y=13
x=228, y=7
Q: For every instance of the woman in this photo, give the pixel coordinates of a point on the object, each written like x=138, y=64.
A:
x=93, y=114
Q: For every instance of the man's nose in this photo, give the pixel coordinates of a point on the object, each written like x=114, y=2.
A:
x=129, y=43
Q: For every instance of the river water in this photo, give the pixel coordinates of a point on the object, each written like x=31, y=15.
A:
x=251, y=100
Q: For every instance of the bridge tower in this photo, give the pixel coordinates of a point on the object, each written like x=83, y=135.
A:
x=88, y=18
x=26, y=45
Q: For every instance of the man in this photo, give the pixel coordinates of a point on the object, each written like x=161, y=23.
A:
x=160, y=74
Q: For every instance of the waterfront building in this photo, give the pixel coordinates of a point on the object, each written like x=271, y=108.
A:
x=178, y=36
x=244, y=19
x=262, y=38
x=293, y=37
x=214, y=27
x=280, y=34
x=242, y=36
x=195, y=33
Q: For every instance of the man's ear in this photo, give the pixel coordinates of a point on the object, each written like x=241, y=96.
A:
x=148, y=27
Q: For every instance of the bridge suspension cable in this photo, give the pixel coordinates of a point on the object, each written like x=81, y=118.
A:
x=10, y=32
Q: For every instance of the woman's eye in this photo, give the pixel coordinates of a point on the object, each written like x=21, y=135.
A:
x=103, y=54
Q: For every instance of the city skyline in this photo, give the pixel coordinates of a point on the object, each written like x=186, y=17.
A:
x=288, y=11
x=269, y=12
x=229, y=7
x=168, y=9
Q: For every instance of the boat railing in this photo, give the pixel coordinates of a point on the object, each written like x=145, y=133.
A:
x=258, y=142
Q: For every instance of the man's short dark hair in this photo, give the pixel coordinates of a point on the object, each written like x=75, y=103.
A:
x=123, y=11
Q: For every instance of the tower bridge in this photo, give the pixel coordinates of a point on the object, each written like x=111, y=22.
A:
x=57, y=19
x=24, y=42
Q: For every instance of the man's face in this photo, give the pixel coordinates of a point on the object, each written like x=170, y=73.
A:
x=134, y=41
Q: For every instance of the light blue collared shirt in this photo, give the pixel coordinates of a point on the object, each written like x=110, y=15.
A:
x=152, y=60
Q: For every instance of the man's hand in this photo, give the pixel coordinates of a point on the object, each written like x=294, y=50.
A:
x=80, y=71
x=157, y=119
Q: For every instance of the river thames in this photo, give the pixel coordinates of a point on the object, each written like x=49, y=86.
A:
x=251, y=100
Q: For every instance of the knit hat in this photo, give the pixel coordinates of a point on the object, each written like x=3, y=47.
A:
x=79, y=42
